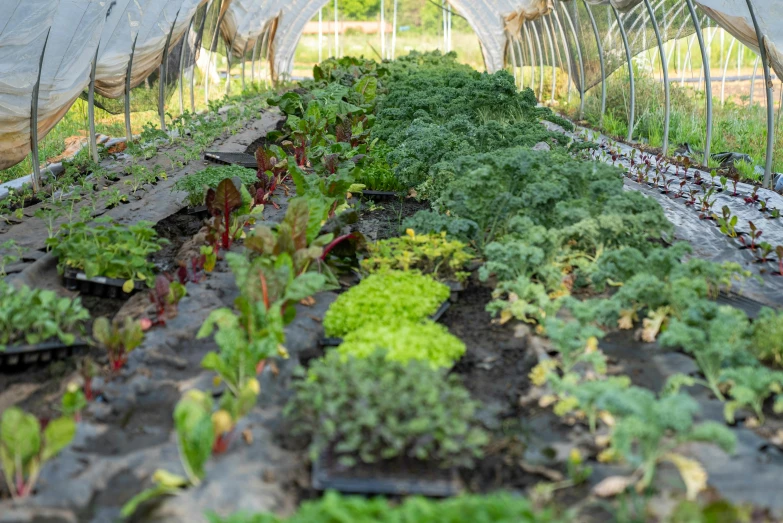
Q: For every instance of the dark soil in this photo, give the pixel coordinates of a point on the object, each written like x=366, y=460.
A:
x=177, y=229
x=388, y=215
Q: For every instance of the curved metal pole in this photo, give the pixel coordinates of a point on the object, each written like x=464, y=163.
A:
x=629, y=58
x=162, y=76
x=518, y=44
x=192, y=74
x=244, y=50
x=212, y=49
x=128, y=131
x=37, y=182
x=665, y=70
x=581, y=62
x=601, y=60
x=394, y=32
x=514, y=62
x=709, y=54
x=708, y=83
x=753, y=79
x=253, y=60
x=725, y=71
x=540, y=61
x=182, y=66
x=336, y=30
x=567, y=50
x=91, y=108
x=770, y=101
x=532, y=59
x=552, y=53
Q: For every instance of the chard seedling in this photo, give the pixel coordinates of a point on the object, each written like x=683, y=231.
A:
x=165, y=296
x=754, y=197
x=727, y=222
x=74, y=401
x=763, y=252
x=754, y=234
x=24, y=447
x=118, y=339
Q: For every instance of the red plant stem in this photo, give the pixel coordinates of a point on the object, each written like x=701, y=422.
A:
x=88, y=389
x=264, y=290
x=227, y=218
x=780, y=266
x=222, y=441
x=337, y=241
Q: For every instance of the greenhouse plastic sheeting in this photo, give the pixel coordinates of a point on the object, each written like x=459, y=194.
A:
x=733, y=16
x=244, y=22
x=65, y=71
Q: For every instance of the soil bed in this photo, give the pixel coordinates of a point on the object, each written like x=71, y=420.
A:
x=383, y=220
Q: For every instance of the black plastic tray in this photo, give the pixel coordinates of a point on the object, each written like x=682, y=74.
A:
x=446, y=485
x=381, y=195
x=98, y=286
x=17, y=355
x=438, y=314
x=242, y=159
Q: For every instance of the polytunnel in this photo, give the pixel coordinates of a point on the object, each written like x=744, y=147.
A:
x=522, y=262
x=587, y=39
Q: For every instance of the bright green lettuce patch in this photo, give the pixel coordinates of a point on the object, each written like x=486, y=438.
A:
x=333, y=507
x=406, y=341
x=380, y=299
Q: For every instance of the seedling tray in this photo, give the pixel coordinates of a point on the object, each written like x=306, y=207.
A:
x=381, y=195
x=382, y=479
x=19, y=355
x=98, y=286
x=335, y=342
x=242, y=159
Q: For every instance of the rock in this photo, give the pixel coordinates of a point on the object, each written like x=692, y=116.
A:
x=542, y=146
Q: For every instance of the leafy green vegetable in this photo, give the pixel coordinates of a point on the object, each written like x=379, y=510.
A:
x=392, y=296
x=749, y=387
x=108, y=249
x=334, y=508
x=372, y=409
x=24, y=447
x=405, y=341
x=648, y=429
x=767, y=336
x=196, y=184
x=31, y=316
x=431, y=254
x=118, y=339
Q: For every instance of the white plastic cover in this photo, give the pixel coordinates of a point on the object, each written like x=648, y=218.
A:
x=65, y=71
x=733, y=15
x=620, y=5
x=245, y=21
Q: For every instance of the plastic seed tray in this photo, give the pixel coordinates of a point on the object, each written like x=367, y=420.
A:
x=242, y=159
x=20, y=355
x=98, y=286
x=438, y=314
x=435, y=482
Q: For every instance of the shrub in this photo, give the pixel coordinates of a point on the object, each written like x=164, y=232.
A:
x=392, y=296
x=196, y=184
x=333, y=507
x=426, y=341
x=370, y=409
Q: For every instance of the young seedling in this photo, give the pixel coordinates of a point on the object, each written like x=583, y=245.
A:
x=727, y=222
x=692, y=197
x=74, y=402
x=24, y=447
x=117, y=339
x=754, y=234
x=763, y=252
x=754, y=197
x=165, y=296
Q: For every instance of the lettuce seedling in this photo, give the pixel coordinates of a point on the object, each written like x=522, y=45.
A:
x=24, y=447
x=432, y=254
x=118, y=339
x=405, y=341
x=392, y=296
